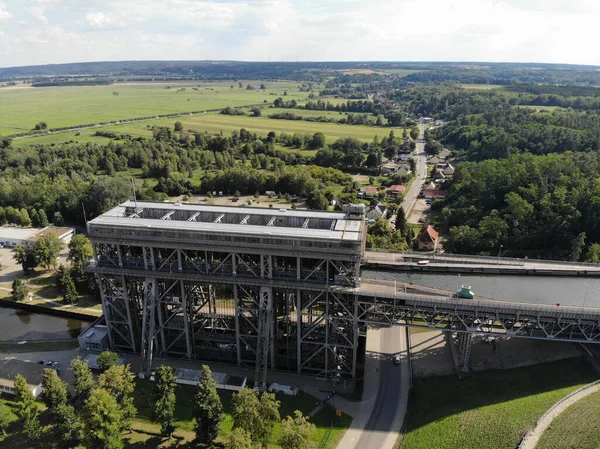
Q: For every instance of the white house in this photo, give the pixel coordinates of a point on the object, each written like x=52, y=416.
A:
x=11, y=236
x=32, y=372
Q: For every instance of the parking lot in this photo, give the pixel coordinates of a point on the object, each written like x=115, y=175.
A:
x=420, y=211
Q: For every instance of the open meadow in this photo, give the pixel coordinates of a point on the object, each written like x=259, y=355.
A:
x=21, y=108
x=214, y=123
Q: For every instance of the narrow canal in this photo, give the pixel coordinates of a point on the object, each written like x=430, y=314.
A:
x=567, y=291
x=18, y=325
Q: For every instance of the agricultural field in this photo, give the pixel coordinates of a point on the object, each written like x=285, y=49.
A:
x=491, y=409
x=482, y=86
x=541, y=108
x=312, y=113
x=215, y=123
x=578, y=427
x=21, y=108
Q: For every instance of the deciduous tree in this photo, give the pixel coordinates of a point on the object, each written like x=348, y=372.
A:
x=107, y=359
x=84, y=380
x=239, y=439
x=119, y=381
x=46, y=250
x=296, y=432
x=102, y=419
x=208, y=409
x=27, y=409
x=54, y=389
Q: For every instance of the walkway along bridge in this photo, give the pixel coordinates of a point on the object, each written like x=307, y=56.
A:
x=276, y=289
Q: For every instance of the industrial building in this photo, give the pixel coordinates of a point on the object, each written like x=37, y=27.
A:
x=11, y=236
x=277, y=289
x=252, y=286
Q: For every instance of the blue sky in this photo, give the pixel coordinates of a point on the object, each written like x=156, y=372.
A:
x=58, y=31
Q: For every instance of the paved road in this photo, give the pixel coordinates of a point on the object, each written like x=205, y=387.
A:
x=421, y=172
x=382, y=410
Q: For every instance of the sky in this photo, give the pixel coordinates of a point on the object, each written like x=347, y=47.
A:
x=57, y=31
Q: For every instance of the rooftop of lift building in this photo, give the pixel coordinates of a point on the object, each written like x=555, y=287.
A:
x=291, y=223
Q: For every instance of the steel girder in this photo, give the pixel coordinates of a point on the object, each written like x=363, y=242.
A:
x=228, y=264
x=510, y=319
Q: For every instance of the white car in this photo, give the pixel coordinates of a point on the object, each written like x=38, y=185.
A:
x=397, y=359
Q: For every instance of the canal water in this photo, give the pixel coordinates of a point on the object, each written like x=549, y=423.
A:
x=567, y=291
x=18, y=325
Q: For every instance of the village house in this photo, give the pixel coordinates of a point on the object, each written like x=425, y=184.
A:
x=396, y=189
x=427, y=240
x=404, y=170
x=376, y=212
x=32, y=372
x=448, y=170
x=368, y=192
x=434, y=194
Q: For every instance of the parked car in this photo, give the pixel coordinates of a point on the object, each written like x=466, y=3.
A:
x=397, y=359
x=421, y=220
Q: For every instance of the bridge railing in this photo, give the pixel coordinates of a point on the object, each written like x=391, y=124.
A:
x=483, y=304
x=491, y=260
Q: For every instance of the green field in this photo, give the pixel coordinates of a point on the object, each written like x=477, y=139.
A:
x=21, y=108
x=541, y=108
x=310, y=113
x=578, y=427
x=482, y=86
x=491, y=409
x=215, y=123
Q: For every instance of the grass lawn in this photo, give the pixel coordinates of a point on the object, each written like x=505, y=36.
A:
x=185, y=406
x=578, y=427
x=21, y=109
x=491, y=409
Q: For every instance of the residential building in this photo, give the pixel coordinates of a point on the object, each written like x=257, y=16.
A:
x=427, y=239
x=448, y=169
x=396, y=189
x=404, y=170
x=368, y=192
x=376, y=212
x=438, y=175
x=32, y=372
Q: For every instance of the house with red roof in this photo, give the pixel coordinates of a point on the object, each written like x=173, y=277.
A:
x=434, y=193
x=396, y=189
x=427, y=239
x=368, y=192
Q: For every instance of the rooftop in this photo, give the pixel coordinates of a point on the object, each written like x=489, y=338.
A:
x=14, y=233
x=308, y=224
x=9, y=368
x=51, y=230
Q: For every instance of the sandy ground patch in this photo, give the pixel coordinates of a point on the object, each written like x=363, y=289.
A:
x=420, y=210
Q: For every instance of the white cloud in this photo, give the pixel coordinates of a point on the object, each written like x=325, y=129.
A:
x=481, y=30
x=98, y=20
x=37, y=12
x=4, y=14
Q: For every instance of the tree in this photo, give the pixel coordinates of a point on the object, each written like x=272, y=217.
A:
x=208, y=409
x=5, y=418
x=67, y=426
x=41, y=126
x=256, y=416
x=54, y=389
x=593, y=253
x=318, y=141
x=42, y=218
x=102, y=419
x=239, y=439
x=414, y=133
x=19, y=290
x=57, y=219
x=119, y=381
x=47, y=249
x=80, y=251
x=107, y=359
x=84, y=380
x=164, y=400
x=25, y=258
x=433, y=147
x=577, y=247
x=296, y=432
x=69, y=291
x=27, y=409
x=178, y=126
x=256, y=112
x=401, y=222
